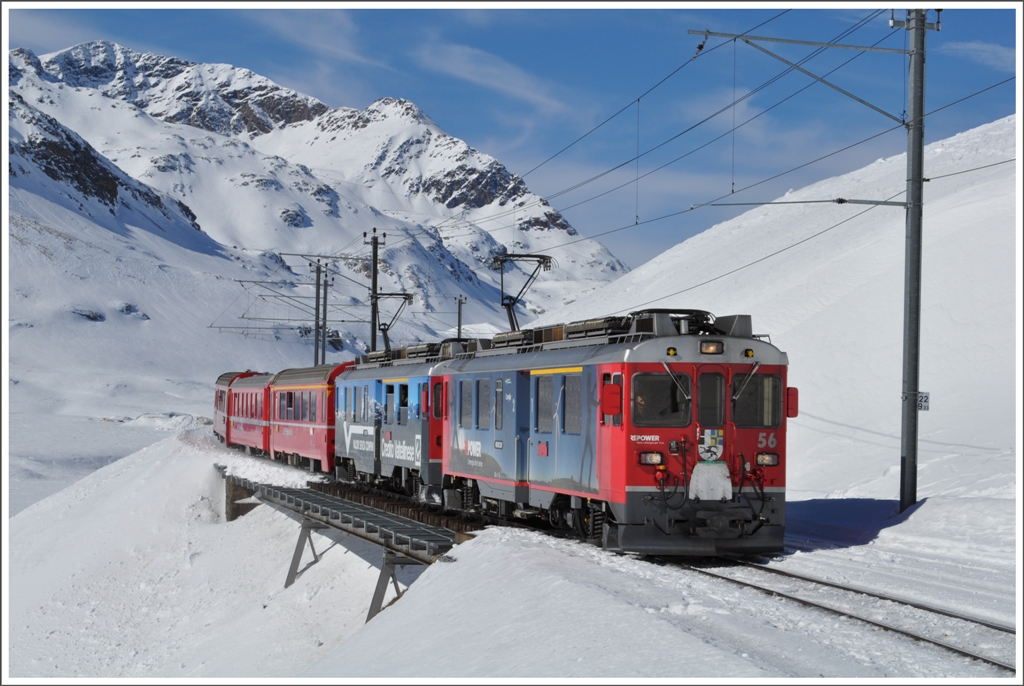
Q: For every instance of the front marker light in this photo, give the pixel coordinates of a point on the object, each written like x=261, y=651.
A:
x=651, y=458
x=711, y=347
x=767, y=460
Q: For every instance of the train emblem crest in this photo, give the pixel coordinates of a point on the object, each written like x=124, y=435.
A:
x=711, y=442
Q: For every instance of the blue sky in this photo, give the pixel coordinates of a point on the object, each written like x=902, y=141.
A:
x=521, y=84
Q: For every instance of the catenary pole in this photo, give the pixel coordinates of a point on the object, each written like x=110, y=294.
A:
x=316, y=315
x=323, y=326
x=374, y=246
x=915, y=24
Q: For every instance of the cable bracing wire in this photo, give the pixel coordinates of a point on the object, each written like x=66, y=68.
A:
x=753, y=92
x=646, y=92
x=801, y=241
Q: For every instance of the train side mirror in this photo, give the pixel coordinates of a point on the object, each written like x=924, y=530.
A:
x=792, y=402
x=611, y=399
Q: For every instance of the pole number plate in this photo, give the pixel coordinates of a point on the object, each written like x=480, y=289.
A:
x=922, y=401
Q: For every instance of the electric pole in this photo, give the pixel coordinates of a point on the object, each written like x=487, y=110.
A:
x=375, y=243
x=460, y=300
x=316, y=317
x=917, y=25
x=323, y=320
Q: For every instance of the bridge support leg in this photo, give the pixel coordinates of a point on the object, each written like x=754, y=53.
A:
x=387, y=573
x=304, y=537
x=233, y=492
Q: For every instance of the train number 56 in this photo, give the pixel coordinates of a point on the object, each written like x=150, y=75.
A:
x=766, y=440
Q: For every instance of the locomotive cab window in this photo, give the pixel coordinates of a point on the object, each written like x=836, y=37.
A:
x=757, y=402
x=658, y=400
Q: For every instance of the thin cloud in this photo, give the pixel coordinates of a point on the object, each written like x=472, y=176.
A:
x=327, y=33
x=989, y=54
x=487, y=70
x=44, y=32
x=48, y=31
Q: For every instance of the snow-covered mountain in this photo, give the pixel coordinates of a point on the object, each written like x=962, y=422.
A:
x=263, y=169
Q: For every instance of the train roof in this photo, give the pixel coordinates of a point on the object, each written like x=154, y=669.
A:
x=310, y=375
x=255, y=381
x=589, y=341
x=226, y=378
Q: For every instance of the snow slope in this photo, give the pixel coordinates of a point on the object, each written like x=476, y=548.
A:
x=132, y=573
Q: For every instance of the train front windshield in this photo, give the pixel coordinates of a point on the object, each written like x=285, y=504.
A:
x=660, y=400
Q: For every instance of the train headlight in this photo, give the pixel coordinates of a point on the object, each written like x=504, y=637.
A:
x=711, y=347
x=651, y=458
x=767, y=459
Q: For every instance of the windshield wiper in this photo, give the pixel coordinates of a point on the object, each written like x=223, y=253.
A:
x=676, y=381
x=746, y=380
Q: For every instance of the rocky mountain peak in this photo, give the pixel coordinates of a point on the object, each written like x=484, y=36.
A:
x=214, y=97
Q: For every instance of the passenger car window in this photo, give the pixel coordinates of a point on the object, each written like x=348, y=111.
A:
x=545, y=403
x=573, y=423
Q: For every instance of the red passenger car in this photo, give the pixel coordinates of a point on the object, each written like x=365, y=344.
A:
x=301, y=416
x=248, y=424
x=221, y=402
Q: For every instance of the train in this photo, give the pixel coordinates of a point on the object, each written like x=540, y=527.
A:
x=660, y=432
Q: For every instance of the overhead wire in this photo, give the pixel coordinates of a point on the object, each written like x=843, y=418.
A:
x=693, y=207
x=799, y=242
x=732, y=105
x=647, y=92
x=542, y=201
x=789, y=171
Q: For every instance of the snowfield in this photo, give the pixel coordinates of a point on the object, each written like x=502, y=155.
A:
x=133, y=572
x=119, y=562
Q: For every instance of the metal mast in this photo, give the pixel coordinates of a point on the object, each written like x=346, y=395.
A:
x=917, y=26
x=374, y=244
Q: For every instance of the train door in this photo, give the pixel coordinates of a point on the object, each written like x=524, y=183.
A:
x=545, y=395
x=714, y=468
x=519, y=401
x=229, y=424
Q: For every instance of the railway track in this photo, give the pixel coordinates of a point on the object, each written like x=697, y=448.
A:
x=979, y=639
